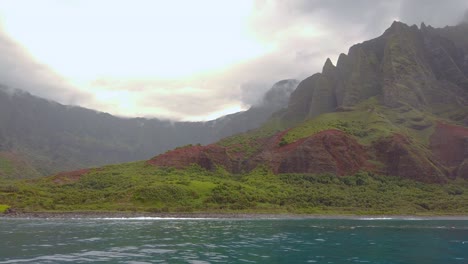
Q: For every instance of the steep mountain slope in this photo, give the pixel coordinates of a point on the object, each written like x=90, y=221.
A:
x=406, y=66
x=274, y=99
x=387, y=107
x=40, y=137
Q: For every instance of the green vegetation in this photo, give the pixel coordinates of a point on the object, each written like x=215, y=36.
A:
x=252, y=141
x=369, y=121
x=14, y=167
x=142, y=187
x=456, y=114
x=5, y=166
x=187, y=146
x=3, y=208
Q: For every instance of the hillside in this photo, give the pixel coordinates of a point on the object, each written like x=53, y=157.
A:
x=395, y=105
x=382, y=132
x=40, y=137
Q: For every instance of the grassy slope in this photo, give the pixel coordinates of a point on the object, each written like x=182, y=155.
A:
x=250, y=142
x=370, y=121
x=141, y=187
x=3, y=208
x=14, y=166
x=5, y=166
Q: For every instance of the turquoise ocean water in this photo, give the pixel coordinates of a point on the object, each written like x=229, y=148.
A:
x=143, y=240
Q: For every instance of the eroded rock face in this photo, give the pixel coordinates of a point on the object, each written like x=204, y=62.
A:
x=333, y=151
x=70, y=176
x=330, y=151
x=206, y=157
x=402, y=158
x=449, y=143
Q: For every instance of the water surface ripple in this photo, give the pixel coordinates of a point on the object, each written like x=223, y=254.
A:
x=201, y=241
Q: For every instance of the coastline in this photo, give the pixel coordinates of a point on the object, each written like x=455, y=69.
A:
x=214, y=216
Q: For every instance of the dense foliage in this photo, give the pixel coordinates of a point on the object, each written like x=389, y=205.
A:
x=142, y=187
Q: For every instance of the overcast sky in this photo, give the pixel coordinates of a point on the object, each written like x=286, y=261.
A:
x=183, y=59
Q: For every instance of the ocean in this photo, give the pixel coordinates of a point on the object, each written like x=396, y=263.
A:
x=199, y=241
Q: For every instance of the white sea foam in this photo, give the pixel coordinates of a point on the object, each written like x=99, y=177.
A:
x=149, y=218
x=376, y=218
x=395, y=218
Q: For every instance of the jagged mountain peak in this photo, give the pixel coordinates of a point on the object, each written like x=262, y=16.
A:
x=396, y=27
x=404, y=66
x=399, y=27
x=341, y=59
x=425, y=28
x=328, y=66
x=422, y=26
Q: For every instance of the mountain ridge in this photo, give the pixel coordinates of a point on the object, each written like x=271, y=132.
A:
x=381, y=67
x=47, y=137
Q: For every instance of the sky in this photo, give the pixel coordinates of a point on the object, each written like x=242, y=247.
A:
x=182, y=59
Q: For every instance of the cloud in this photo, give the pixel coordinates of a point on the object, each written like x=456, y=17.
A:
x=317, y=19
x=299, y=36
x=433, y=12
x=165, y=99
x=235, y=87
x=19, y=71
x=465, y=17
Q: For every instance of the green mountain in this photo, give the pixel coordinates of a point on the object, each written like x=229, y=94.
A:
x=40, y=137
x=385, y=131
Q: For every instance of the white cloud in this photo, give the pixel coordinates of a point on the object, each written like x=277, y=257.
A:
x=18, y=71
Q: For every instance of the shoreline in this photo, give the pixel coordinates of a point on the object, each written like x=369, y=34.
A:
x=219, y=216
